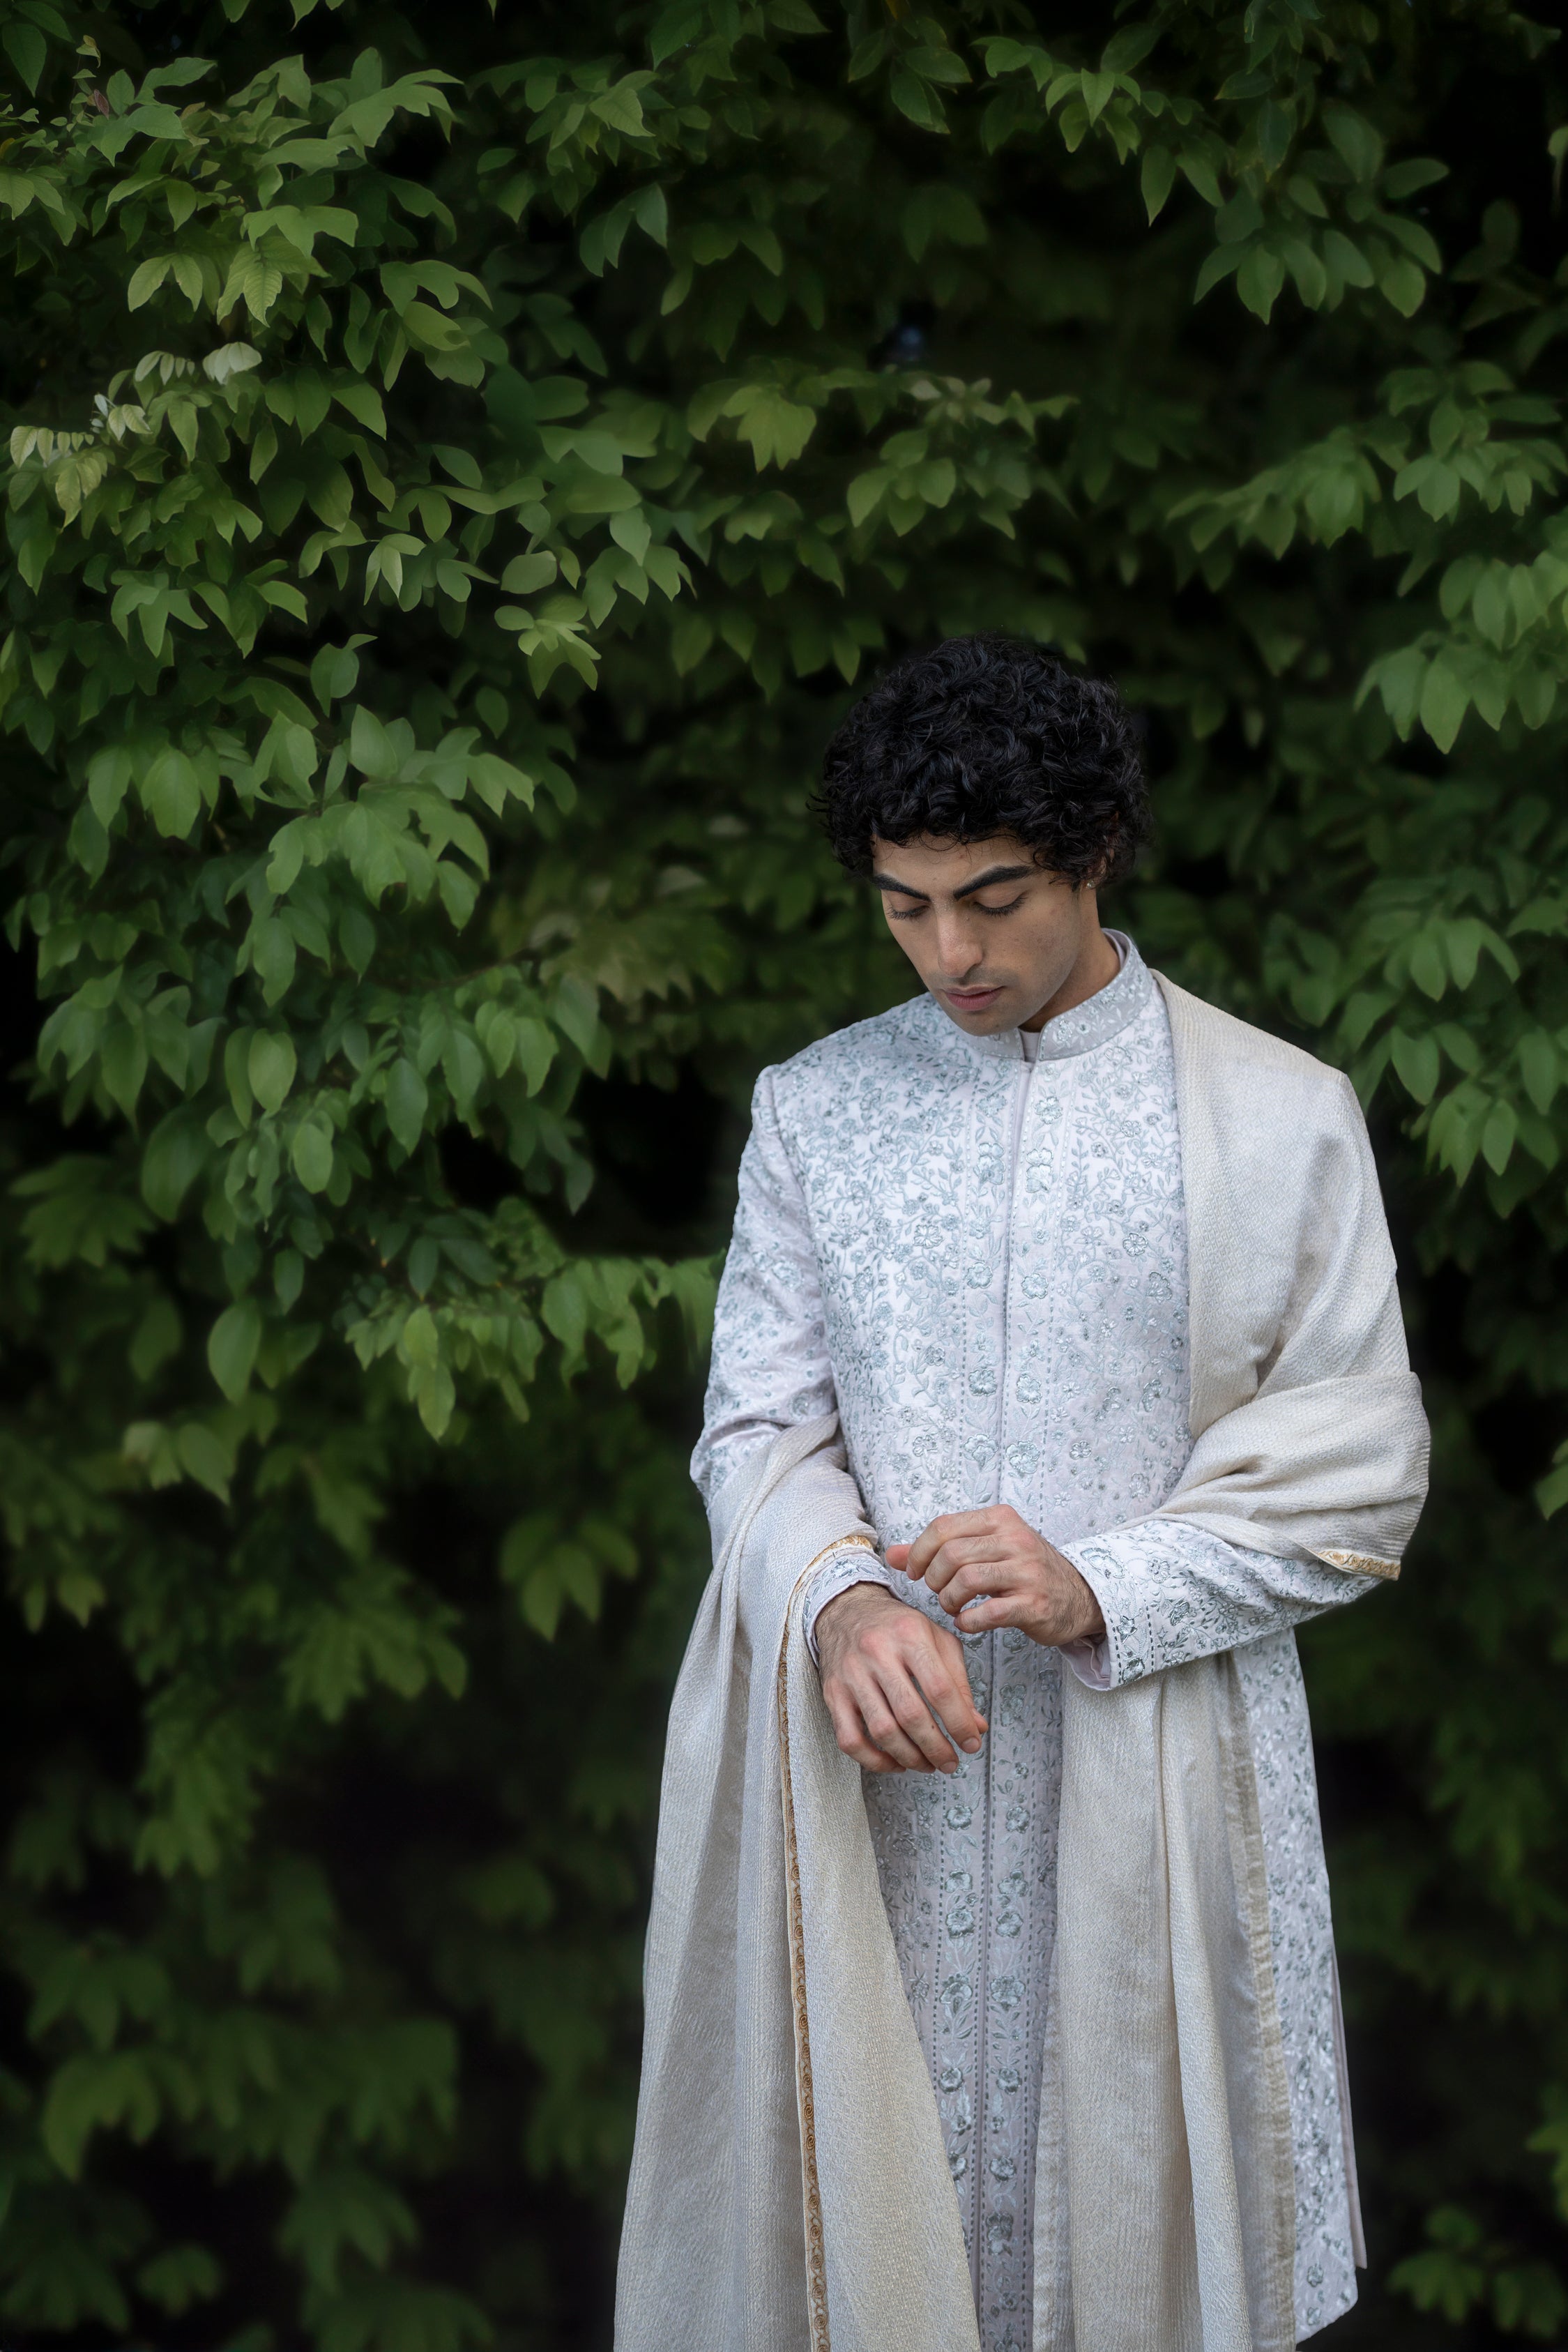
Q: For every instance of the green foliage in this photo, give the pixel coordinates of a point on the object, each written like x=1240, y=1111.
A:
x=457, y=472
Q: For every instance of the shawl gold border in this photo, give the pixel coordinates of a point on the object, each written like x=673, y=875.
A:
x=816, y=2259
x=1362, y=1562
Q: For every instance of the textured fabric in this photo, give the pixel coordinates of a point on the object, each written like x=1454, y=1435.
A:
x=777, y=2046
x=1300, y=1390
x=1168, y=2219
x=1086, y=1227
x=838, y=1112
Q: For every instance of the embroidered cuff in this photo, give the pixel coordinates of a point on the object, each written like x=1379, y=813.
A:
x=1116, y=1657
x=854, y=1561
x=1170, y=1590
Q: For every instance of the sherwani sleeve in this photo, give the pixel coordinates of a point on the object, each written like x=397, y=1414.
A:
x=1169, y=1591
x=1169, y=1587
x=770, y=1367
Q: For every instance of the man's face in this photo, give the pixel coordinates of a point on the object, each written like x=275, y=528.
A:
x=994, y=937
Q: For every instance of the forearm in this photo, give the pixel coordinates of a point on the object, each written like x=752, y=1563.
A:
x=1170, y=1592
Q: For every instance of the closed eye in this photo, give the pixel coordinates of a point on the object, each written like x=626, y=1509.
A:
x=910, y=914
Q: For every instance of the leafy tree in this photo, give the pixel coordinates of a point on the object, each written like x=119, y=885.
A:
x=460, y=469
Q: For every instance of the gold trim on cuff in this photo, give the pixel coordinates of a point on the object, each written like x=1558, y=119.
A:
x=841, y=1543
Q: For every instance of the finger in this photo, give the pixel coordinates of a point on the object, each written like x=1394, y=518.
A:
x=916, y=1724
x=989, y=1613
x=919, y=1723
x=930, y=1540
x=894, y=1726
x=897, y=1555
x=951, y=1701
x=933, y=1660
x=962, y=1552
x=850, y=1731
x=950, y=1661
x=989, y=1577
x=898, y=1753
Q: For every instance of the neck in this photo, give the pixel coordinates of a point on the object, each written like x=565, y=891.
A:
x=1094, y=968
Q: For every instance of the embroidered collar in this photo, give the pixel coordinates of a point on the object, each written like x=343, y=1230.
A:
x=1093, y=1022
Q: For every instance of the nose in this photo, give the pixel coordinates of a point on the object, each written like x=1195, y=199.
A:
x=958, y=951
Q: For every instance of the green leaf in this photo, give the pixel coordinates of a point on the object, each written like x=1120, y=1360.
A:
x=1417, y=1061
x=777, y=429
x=1428, y=968
x=1356, y=140
x=334, y=673
x=27, y=50
x=1498, y=1137
x=230, y=359
x=177, y=1152
x=371, y=748
x=407, y=1100
x=158, y=1337
x=172, y=794
x=232, y=1347
x=1156, y=177
x=109, y=776
x=122, y=1059
x=203, y=1456
x=364, y=405
x=524, y=574
x=311, y=1154
x=1259, y=278
x=273, y=958
x=1552, y=1492
x=270, y=1067
x=146, y=278
x=1443, y=701
x=914, y=98
x=1541, y=1067
x=180, y=2278
x=652, y=213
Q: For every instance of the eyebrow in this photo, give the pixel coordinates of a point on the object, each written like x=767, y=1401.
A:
x=964, y=890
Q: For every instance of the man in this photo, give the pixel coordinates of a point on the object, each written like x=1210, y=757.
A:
x=1058, y=1375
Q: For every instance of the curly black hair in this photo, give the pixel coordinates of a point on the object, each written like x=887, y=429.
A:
x=985, y=735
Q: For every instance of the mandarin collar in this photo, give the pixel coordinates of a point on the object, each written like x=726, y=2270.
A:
x=1093, y=1022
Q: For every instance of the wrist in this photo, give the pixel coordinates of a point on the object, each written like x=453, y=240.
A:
x=1087, y=1619
x=840, y=1619
x=855, y=1598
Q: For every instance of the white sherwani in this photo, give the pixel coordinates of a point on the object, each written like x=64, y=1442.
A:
x=979, y=1261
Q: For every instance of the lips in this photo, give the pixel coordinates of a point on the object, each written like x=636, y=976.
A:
x=972, y=1000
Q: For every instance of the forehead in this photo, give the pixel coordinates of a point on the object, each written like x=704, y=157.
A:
x=933, y=862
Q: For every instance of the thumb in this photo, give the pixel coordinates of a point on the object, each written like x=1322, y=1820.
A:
x=897, y=1555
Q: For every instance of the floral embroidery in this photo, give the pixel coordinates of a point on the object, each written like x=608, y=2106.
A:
x=982, y=1263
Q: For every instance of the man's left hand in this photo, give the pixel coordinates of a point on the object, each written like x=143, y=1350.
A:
x=1025, y=1580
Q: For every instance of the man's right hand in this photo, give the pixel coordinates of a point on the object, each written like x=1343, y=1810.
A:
x=894, y=1683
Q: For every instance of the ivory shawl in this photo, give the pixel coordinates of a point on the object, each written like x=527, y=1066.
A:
x=790, y=2190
